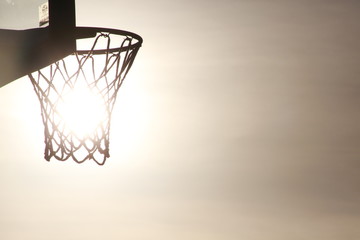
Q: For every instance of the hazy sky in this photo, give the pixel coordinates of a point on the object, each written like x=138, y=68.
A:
x=239, y=120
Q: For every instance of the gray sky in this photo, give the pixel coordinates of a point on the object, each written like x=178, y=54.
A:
x=239, y=120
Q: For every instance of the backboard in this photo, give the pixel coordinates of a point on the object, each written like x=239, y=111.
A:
x=19, y=14
x=25, y=46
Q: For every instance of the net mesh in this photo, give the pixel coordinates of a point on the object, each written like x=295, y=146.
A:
x=77, y=96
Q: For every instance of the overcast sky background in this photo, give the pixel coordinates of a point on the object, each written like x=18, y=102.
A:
x=238, y=120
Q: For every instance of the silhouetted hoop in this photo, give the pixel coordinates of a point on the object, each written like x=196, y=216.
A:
x=83, y=31
x=99, y=65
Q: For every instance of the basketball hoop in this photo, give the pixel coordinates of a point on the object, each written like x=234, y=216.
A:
x=96, y=70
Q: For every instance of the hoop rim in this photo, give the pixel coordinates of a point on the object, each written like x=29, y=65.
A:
x=92, y=31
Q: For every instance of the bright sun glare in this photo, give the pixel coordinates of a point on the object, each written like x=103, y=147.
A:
x=82, y=111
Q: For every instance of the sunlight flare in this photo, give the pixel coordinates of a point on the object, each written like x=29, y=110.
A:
x=82, y=111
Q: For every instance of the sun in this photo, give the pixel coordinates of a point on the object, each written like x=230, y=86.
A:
x=82, y=110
